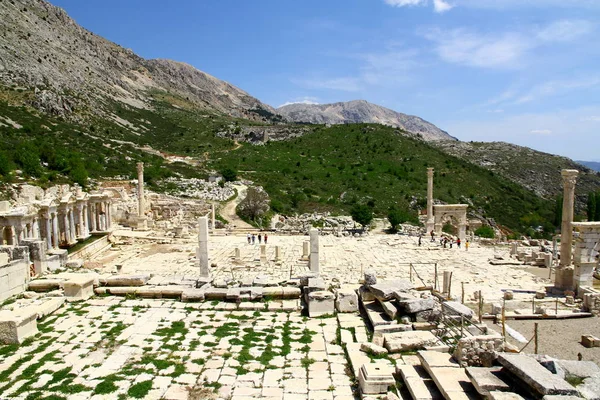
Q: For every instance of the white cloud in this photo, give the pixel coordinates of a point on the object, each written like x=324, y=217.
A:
x=402, y=3
x=441, y=6
x=557, y=87
x=301, y=100
x=506, y=50
x=540, y=132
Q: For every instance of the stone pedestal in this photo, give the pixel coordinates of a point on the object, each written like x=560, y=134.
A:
x=277, y=253
x=202, y=253
x=237, y=254
x=18, y=325
x=375, y=378
x=314, y=251
x=305, y=250
x=79, y=288
x=583, y=274
x=564, y=278
x=320, y=303
x=346, y=301
x=263, y=253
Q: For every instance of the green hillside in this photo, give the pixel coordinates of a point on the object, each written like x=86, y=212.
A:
x=329, y=169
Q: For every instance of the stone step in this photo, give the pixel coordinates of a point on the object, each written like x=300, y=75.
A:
x=534, y=376
x=418, y=383
x=486, y=380
x=451, y=380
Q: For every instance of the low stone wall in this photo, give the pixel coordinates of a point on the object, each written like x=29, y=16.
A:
x=477, y=351
x=14, y=275
x=91, y=249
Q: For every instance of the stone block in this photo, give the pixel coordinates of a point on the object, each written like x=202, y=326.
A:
x=49, y=306
x=190, y=295
x=45, y=285
x=409, y=341
x=414, y=305
x=389, y=308
x=486, y=380
x=375, y=378
x=370, y=278
x=79, y=288
x=385, y=290
x=590, y=341
x=346, y=301
x=125, y=280
x=458, y=309
x=534, y=375
x=17, y=325
x=75, y=264
x=365, y=294
x=214, y=293
x=320, y=303
x=372, y=348
x=305, y=277
x=290, y=293
x=244, y=294
x=540, y=294
x=4, y=259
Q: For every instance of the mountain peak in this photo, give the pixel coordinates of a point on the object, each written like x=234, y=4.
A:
x=361, y=111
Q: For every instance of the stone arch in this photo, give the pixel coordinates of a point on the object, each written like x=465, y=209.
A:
x=457, y=212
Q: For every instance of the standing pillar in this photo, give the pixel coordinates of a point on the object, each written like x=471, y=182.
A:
x=48, y=232
x=10, y=237
x=314, y=250
x=305, y=250
x=202, y=253
x=277, y=253
x=430, y=225
x=142, y=224
x=55, y=231
x=212, y=216
x=564, y=272
x=263, y=253
x=92, y=214
x=72, y=227
x=108, y=216
x=80, y=231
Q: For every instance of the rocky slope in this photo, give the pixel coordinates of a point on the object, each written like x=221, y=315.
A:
x=361, y=111
x=72, y=71
x=537, y=171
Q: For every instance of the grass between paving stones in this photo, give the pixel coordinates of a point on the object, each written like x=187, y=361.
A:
x=140, y=390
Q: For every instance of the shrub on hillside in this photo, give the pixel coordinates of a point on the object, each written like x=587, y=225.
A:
x=485, y=231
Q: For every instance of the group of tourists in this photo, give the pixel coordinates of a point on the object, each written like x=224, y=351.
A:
x=446, y=241
x=252, y=238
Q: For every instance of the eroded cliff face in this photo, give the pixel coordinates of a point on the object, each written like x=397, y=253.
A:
x=360, y=111
x=70, y=70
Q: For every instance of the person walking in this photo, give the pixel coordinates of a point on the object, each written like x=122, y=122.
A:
x=266, y=237
x=458, y=243
x=259, y=238
x=467, y=245
x=253, y=238
x=432, y=236
x=249, y=237
x=419, y=240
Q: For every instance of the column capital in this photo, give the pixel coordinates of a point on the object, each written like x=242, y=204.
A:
x=569, y=176
x=430, y=171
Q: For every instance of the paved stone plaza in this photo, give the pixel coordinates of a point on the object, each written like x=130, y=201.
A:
x=341, y=258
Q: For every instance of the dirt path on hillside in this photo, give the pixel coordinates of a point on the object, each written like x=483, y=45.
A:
x=228, y=212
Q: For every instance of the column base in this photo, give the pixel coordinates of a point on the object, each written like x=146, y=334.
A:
x=142, y=224
x=564, y=278
x=429, y=226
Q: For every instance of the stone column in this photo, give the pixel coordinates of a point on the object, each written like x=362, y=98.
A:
x=55, y=231
x=10, y=237
x=263, y=253
x=212, y=217
x=305, y=250
x=108, y=216
x=48, y=232
x=314, y=251
x=462, y=231
x=72, y=227
x=564, y=271
x=238, y=254
x=202, y=253
x=92, y=216
x=142, y=222
x=430, y=225
x=277, y=253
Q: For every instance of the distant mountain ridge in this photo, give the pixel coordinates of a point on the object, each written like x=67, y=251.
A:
x=595, y=165
x=361, y=111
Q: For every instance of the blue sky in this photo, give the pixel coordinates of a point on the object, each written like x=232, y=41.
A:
x=521, y=71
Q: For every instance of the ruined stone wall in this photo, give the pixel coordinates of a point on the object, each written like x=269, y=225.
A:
x=477, y=351
x=14, y=273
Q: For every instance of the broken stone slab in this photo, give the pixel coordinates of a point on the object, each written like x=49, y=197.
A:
x=375, y=314
x=121, y=290
x=320, y=303
x=291, y=293
x=365, y=294
x=191, y=295
x=18, y=325
x=49, y=306
x=220, y=283
x=74, y=264
x=433, y=359
x=264, y=280
x=45, y=285
x=125, y=280
x=346, y=301
x=305, y=277
x=147, y=292
x=389, y=308
x=567, y=369
x=590, y=341
x=315, y=285
x=79, y=288
x=375, y=378
x=486, y=380
x=409, y=341
x=458, y=309
x=385, y=290
x=371, y=348
x=535, y=376
x=590, y=388
x=414, y=305
x=420, y=386
x=171, y=292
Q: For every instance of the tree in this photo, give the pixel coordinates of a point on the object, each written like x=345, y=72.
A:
x=558, y=211
x=6, y=164
x=362, y=214
x=397, y=216
x=254, y=205
x=485, y=231
x=591, y=207
x=229, y=174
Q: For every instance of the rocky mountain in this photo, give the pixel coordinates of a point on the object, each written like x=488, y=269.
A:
x=71, y=71
x=535, y=170
x=361, y=111
x=591, y=164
